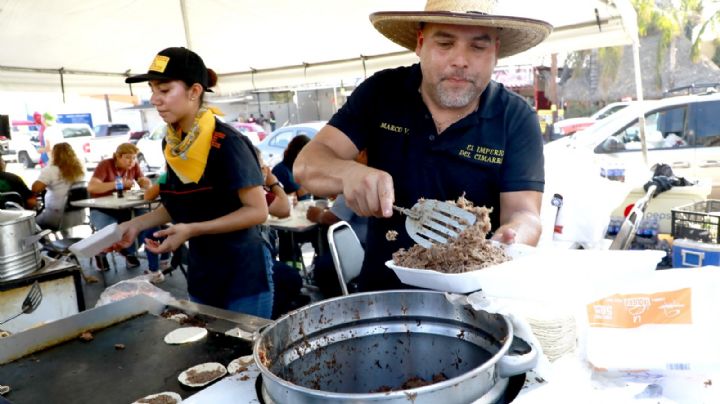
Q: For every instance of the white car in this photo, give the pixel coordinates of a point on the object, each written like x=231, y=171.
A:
x=572, y=125
x=79, y=135
x=683, y=132
x=273, y=146
x=151, y=155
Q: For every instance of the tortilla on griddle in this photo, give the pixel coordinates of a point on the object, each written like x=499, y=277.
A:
x=185, y=335
x=240, y=364
x=163, y=397
x=202, y=374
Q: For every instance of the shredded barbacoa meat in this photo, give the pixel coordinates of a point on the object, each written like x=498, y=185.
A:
x=470, y=251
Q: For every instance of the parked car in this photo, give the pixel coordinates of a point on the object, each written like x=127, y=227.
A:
x=253, y=131
x=274, y=145
x=4, y=145
x=112, y=129
x=151, y=155
x=683, y=132
x=572, y=125
x=79, y=135
x=137, y=135
x=107, y=138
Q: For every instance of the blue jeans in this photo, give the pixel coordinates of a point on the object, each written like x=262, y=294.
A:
x=259, y=305
x=100, y=220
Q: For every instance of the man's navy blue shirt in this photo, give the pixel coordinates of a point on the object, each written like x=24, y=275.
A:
x=497, y=148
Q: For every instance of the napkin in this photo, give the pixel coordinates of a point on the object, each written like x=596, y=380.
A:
x=97, y=242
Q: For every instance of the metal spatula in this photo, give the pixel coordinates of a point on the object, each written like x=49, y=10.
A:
x=434, y=222
x=31, y=302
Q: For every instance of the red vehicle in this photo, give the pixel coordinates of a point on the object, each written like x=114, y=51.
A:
x=255, y=132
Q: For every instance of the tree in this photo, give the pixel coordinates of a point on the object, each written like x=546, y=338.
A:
x=712, y=22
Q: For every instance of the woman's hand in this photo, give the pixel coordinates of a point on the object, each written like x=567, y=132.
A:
x=129, y=234
x=266, y=172
x=175, y=236
x=270, y=178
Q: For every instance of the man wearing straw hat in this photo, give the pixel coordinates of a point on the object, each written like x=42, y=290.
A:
x=437, y=130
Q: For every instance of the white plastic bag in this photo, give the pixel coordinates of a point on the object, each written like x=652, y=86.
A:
x=661, y=324
x=131, y=287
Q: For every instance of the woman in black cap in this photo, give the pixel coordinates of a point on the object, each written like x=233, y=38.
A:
x=212, y=193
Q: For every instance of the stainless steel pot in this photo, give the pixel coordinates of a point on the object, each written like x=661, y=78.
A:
x=19, y=250
x=364, y=347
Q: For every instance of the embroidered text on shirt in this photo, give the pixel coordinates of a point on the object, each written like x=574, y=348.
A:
x=483, y=154
x=394, y=128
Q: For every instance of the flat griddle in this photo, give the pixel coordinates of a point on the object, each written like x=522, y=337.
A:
x=76, y=371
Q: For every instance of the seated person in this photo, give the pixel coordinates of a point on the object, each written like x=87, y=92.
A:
x=55, y=180
x=10, y=182
x=122, y=164
x=287, y=282
x=325, y=275
x=283, y=169
x=283, y=172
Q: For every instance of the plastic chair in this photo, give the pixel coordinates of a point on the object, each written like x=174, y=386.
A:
x=60, y=247
x=347, y=253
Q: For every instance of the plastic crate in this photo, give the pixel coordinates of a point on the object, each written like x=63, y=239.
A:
x=699, y=221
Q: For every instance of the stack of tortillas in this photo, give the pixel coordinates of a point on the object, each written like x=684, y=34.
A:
x=553, y=326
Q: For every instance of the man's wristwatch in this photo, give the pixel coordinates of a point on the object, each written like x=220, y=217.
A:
x=275, y=183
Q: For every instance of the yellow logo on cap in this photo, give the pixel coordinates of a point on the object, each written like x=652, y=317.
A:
x=159, y=64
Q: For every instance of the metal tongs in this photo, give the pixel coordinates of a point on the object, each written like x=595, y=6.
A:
x=432, y=222
x=31, y=302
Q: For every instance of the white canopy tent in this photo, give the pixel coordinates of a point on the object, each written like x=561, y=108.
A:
x=87, y=46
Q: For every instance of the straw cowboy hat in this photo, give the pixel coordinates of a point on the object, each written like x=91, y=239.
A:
x=516, y=34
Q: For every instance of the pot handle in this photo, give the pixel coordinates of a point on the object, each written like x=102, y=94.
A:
x=30, y=240
x=13, y=205
x=520, y=358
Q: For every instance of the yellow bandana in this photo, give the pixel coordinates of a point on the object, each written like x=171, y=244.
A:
x=188, y=156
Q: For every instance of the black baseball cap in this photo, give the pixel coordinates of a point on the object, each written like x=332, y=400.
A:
x=175, y=63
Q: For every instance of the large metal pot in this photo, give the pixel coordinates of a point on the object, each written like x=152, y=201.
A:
x=356, y=348
x=19, y=250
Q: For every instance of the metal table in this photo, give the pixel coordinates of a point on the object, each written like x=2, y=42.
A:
x=111, y=202
x=62, y=290
x=295, y=224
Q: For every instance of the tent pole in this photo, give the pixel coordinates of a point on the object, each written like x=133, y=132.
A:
x=639, y=95
x=186, y=24
x=629, y=18
x=62, y=83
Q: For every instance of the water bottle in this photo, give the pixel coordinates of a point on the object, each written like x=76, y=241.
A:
x=119, y=186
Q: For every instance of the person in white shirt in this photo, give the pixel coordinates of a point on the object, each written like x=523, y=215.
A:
x=56, y=178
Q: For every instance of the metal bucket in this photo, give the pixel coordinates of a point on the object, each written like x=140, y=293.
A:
x=19, y=250
x=367, y=347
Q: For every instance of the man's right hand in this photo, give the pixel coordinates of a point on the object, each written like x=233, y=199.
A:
x=369, y=191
